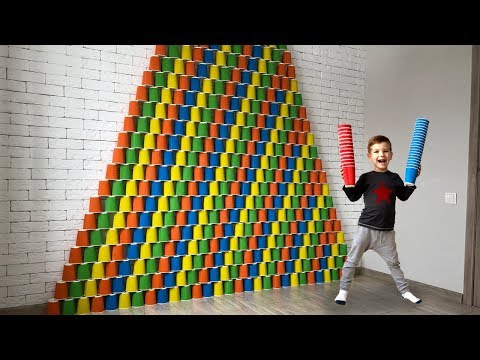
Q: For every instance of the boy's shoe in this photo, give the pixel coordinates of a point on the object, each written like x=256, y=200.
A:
x=341, y=298
x=409, y=296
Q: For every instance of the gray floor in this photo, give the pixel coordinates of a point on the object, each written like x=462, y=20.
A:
x=372, y=293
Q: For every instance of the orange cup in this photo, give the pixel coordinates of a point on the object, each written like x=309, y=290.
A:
x=61, y=290
x=161, y=50
x=97, y=304
x=147, y=78
x=155, y=63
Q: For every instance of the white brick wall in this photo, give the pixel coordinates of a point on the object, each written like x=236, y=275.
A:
x=60, y=109
x=331, y=80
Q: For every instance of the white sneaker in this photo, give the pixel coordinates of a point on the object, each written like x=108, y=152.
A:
x=341, y=298
x=409, y=296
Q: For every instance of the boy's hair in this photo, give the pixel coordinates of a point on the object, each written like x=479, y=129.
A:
x=377, y=139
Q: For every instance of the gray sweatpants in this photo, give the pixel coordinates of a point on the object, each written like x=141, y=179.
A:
x=382, y=242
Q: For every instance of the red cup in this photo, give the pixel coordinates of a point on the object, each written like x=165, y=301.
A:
x=349, y=175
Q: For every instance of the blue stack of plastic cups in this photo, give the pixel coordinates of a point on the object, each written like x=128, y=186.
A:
x=416, y=150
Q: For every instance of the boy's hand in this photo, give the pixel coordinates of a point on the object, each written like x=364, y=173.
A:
x=341, y=171
x=419, y=170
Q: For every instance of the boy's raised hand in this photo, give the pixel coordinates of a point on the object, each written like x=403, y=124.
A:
x=419, y=170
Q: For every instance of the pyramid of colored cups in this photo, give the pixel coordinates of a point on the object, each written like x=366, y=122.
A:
x=347, y=158
x=215, y=188
x=416, y=150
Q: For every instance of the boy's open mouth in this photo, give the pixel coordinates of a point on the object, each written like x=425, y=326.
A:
x=381, y=161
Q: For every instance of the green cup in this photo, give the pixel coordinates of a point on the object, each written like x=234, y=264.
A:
x=334, y=274
x=197, y=142
x=280, y=240
x=251, y=120
x=69, y=307
x=180, y=188
x=308, y=164
x=96, y=238
x=137, y=299
x=293, y=111
x=313, y=152
x=290, y=215
x=273, y=162
x=284, y=228
x=311, y=250
x=202, y=130
x=338, y=262
x=323, y=213
x=103, y=221
x=225, y=73
x=163, y=235
x=187, y=173
x=125, y=172
x=283, y=136
x=302, y=278
x=173, y=51
x=237, y=49
x=161, y=79
x=342, y=249
x=269, y=175
x=152, y=264
x=145, y=282
x=157, y=251
x=256, y=107
x=238, y=257
x=277, y=55
x=304, y=176
x=224, y=188
x=175, y=203
x=271, y=269
x=207, y=115
x=136, y=141
x=143, y=124
x=203, y=247
x=246, y=133
x=231, y=174
x=208, y=231
x=233, y=271
x=228, y=287
x=212, y=102
x=198, y=261
x=235, y=160
x=299, y=189
x=242, y=243
x=297, y=99
x=261, y=94
x=306, y=265
x=213, y=217
x=266, y=80
x=219, y=202
x=276, y=254
x=232, y=59
x=148, y=108
x=169, y=218
x=252, y=215
x=282, y=47
x=167, y=64
x=267, y=282
x=248, y=229
x=272, y=67
x=288, y=123
x=76, y=289
x=278, y=149
x=328, y=201
x=192, y=277
x=154, y=93
x=241, y=147
x=318, y=226
x=185, y=293
x=263, y=187
x=295, y=203
x=219, y=87
x=314, y=239
x=131, y=156
x=83, y=271
x=118, y=188
x=90, y=254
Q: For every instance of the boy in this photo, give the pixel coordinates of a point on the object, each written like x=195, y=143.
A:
x=379, y=188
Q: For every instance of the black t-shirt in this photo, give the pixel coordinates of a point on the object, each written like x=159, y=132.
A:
x=379, y=191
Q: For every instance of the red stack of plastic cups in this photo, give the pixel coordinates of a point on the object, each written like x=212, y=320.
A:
x=347, y=158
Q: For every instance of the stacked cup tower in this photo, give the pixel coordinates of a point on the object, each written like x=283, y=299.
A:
x=347, y=155
x=416, y=150
x=215, y=188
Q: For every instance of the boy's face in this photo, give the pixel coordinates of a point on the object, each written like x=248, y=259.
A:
x=380, y=154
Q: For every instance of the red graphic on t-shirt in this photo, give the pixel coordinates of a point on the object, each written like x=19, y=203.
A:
x=383, y=193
